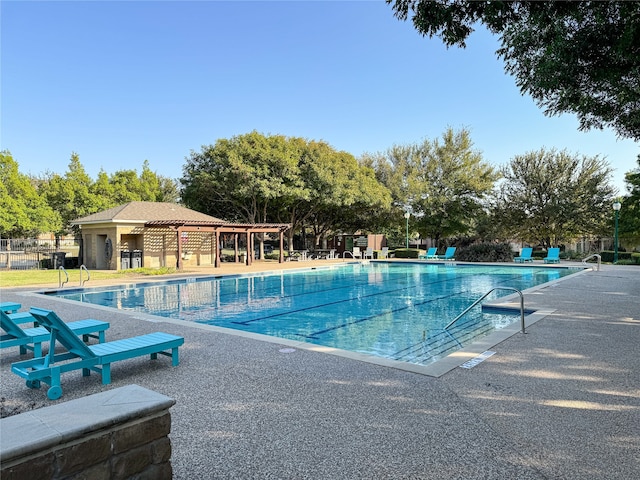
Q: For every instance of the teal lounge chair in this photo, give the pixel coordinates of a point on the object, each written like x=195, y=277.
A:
x=449, y=254
x=32, y=338
x=88, y=357
x=525, y=255
x=431, y=253
x=553, y=256
x=11, y=309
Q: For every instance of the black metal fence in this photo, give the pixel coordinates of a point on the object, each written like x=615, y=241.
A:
x=32, y=253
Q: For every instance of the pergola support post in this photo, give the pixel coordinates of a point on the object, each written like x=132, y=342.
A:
x=179, y=233
x=281, y=257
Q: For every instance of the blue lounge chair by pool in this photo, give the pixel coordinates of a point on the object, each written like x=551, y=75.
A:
x=553, y=256
x=32, y=338
x=87, y=357
x=10, y=307
x=431, y=253
x=525, y=255
x=448, y=254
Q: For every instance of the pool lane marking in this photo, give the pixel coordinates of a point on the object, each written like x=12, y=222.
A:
x=383, y=292
x=358, y=297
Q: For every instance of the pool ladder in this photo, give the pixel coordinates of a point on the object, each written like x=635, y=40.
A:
x=62, y=270
x=82, y=267
x=522, y=328
x=595, y=255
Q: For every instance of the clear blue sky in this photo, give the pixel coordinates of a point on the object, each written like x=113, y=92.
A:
x=120, y=82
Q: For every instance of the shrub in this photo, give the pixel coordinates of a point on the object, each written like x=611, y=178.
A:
x=607, y=256
x=625, y=262
x=407, y=252
x=486, y=252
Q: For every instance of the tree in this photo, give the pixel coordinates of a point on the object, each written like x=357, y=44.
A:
x=442, y=183
x=125, y=186
x=549, y=197
x=103, y=192
x=243, y=178
x=630, y=211
x=571, y=57
x=70, y=195
x=255, y=178
x=344, y=195
x=23, y=212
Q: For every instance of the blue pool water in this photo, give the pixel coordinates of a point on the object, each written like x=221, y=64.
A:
x=387, y=309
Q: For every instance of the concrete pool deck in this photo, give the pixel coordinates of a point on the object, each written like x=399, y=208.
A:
x=562, y=401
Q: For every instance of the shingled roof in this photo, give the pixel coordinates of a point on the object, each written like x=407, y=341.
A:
x=144, y=212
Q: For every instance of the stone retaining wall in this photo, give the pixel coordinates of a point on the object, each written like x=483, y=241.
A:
x=118, y=434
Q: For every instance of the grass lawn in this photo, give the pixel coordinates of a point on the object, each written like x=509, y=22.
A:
x=24, y=278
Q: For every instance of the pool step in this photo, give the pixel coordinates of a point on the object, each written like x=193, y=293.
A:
x=443, y=342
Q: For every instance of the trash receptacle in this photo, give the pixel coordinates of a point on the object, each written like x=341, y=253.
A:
x=57, y=259
x=136, y=259
x=125, y=260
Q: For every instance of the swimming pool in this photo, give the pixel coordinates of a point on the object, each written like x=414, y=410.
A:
x=387, y=309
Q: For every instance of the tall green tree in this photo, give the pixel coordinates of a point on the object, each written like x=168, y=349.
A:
x=571, y=57
x=23, y=212
x=443, y=183
x=255, y=178
x=344, y=195
x=125, y=186
x=630, y=211
x=102, y=190
x=70, y=195
x=550, y=197
x=245, y=178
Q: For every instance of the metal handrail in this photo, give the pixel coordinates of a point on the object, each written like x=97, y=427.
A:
x=584, y=261
x=522, y=328
x=60, y=282
x=82, y=267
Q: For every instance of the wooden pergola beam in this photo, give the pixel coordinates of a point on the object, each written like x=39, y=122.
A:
x=217, y=229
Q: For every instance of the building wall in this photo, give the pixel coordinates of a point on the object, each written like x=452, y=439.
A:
x=158, y=246
x=99, y=245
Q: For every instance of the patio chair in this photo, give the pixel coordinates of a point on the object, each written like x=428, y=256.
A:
x=368, y=253
x=356, y=252
x=32, y=338
x=384, y=253
x=448, y=254
x=10, y=307
x=553, y=256
x=87, y=357
x=431, y=253
x=525, y=256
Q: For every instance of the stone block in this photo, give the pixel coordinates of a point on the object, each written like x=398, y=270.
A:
x=131, y=462
x=83, y=455
x=141, y=433
x=101, y=471
x=32, y=468
x=161, y=449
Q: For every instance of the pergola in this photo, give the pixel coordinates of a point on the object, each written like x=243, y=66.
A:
x=217, y=229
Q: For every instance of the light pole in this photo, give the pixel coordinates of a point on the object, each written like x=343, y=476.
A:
x=616, y=208
x=406, y=216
